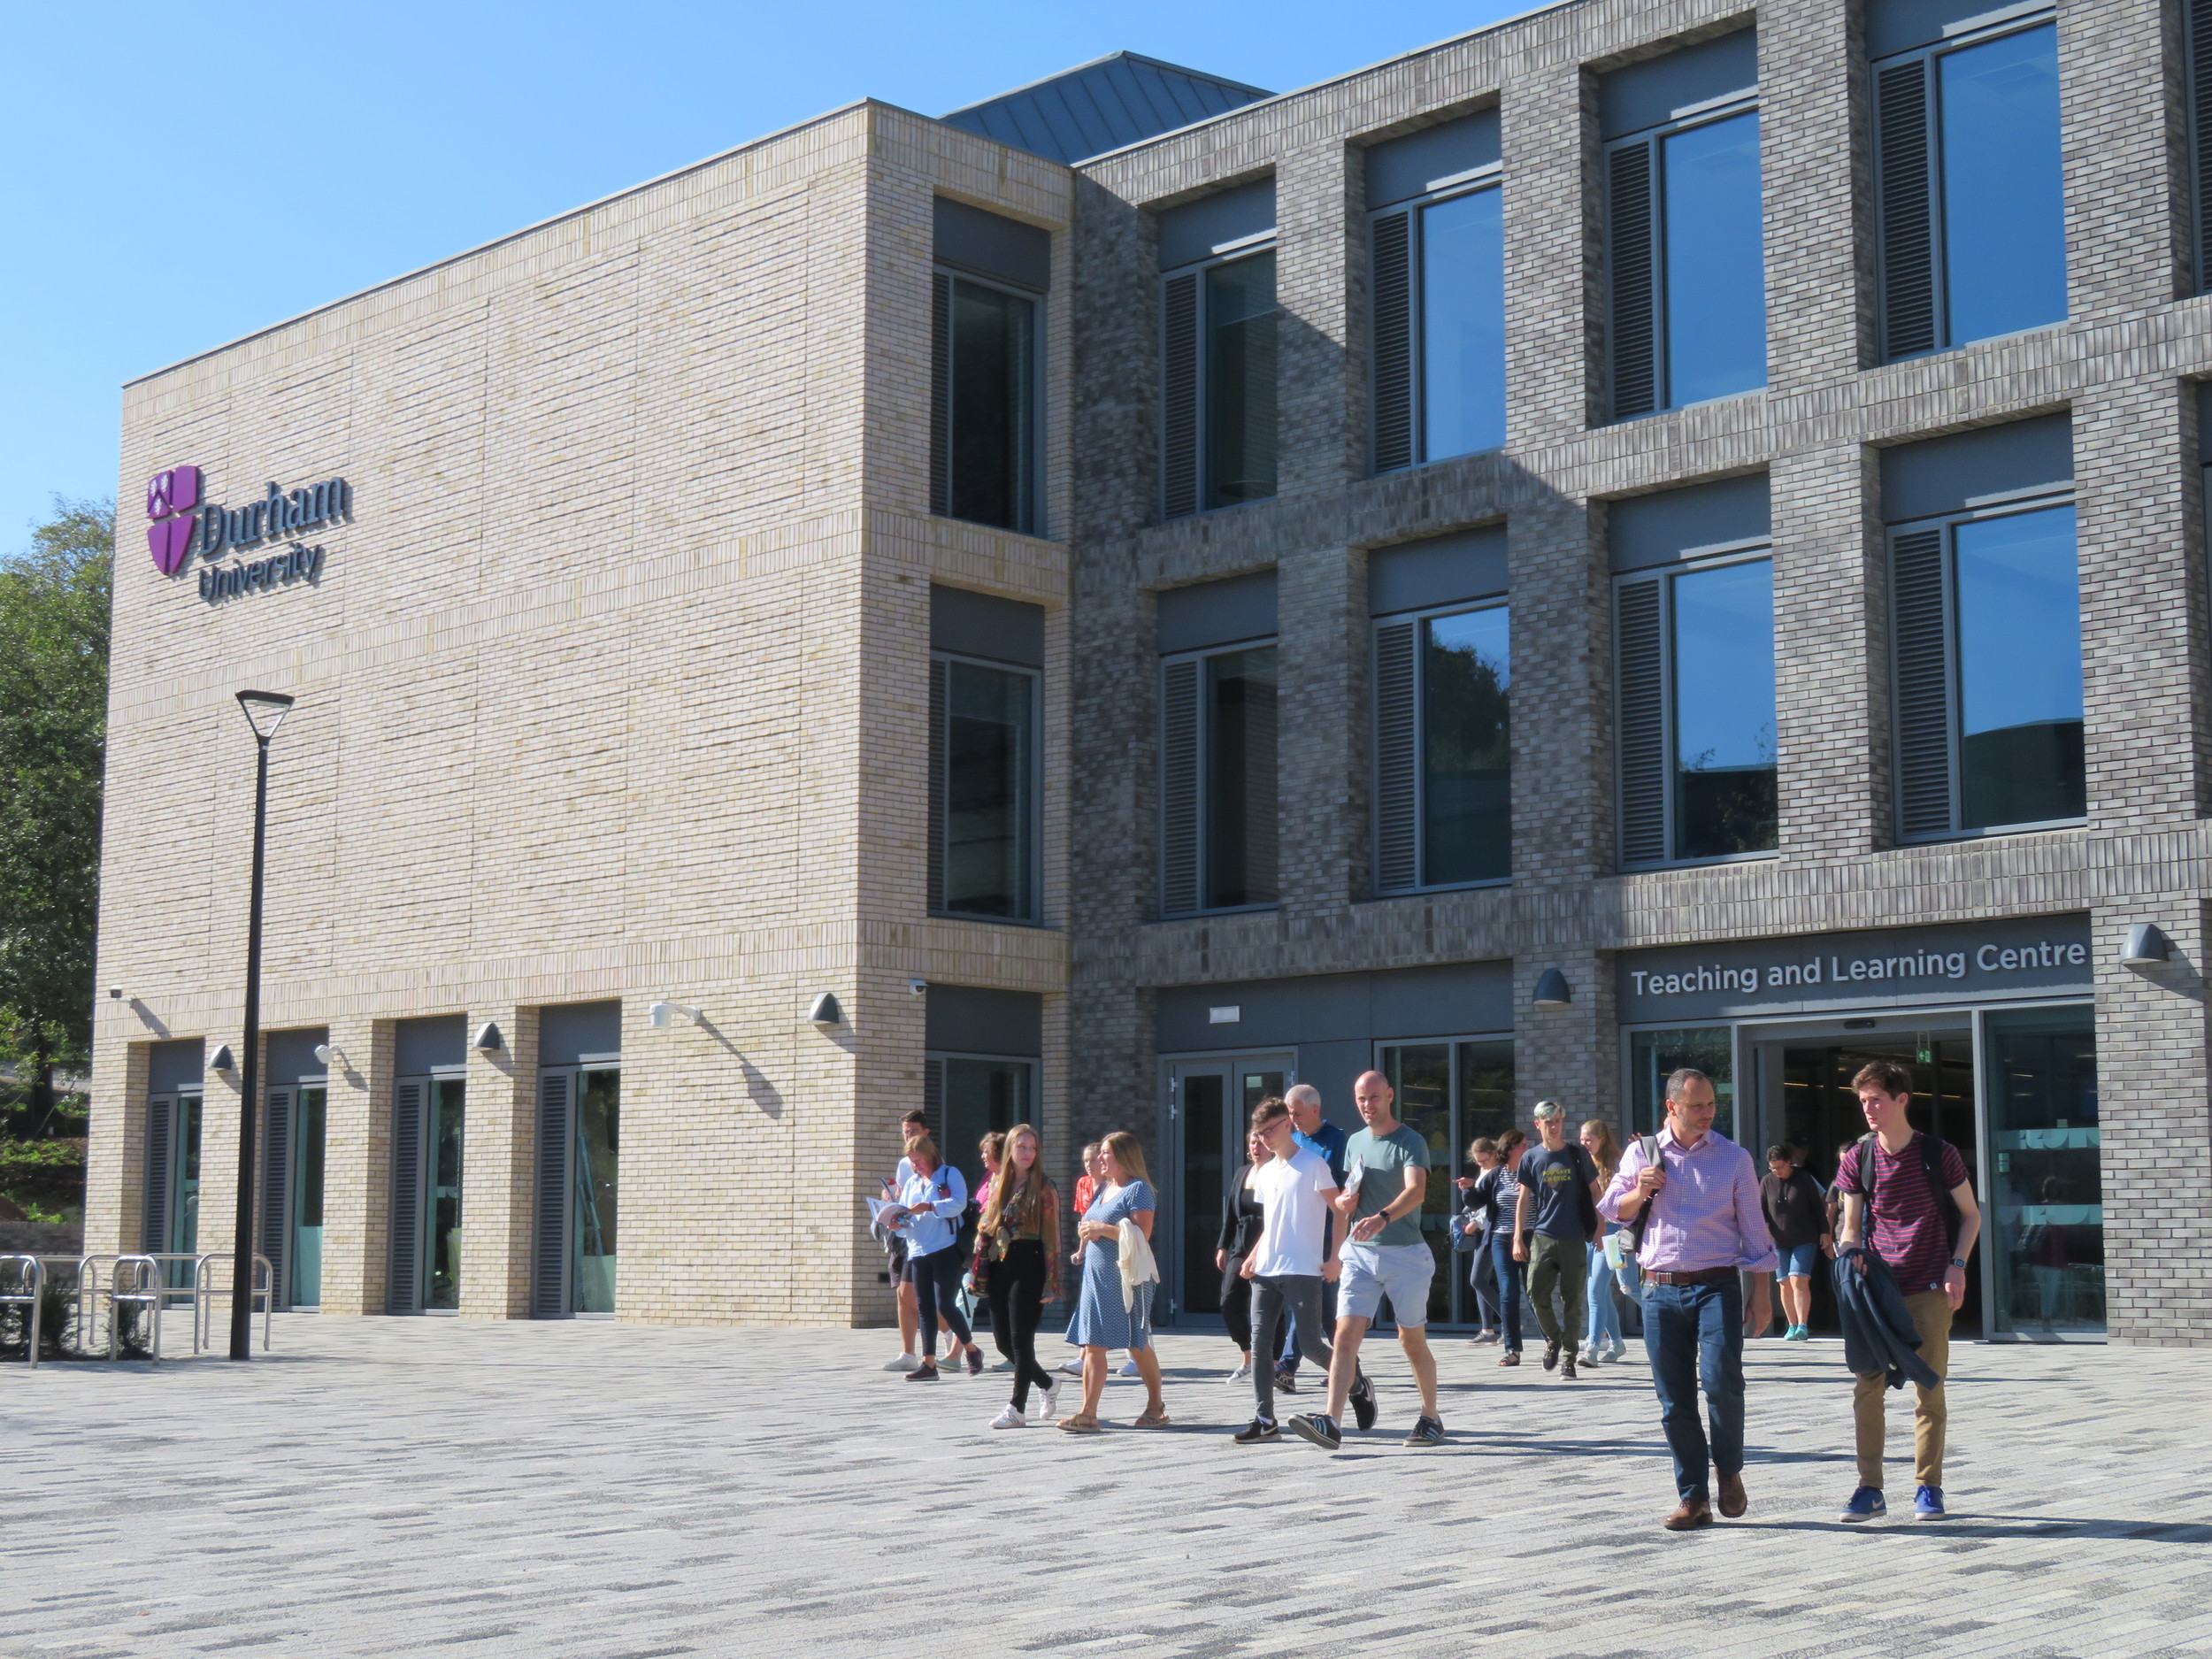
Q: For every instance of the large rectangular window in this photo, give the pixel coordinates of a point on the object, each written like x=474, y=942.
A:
x=1219, y=384
x=1218, y=832
x=1656, y=1055
x=983, y=789
x=1439, y=327
x=1695, y=676
x=968, y=1096
x=1684, y=261
x=1988, y=665
x=1443, y=749
x=1970, y=217
x=983, y=435
x=1449, y=1091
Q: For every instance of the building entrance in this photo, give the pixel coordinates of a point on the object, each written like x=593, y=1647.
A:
x=429, y=1124
x=579, y=1179
x=172, y=1178
x=292, y=1134
x=1210, y=1104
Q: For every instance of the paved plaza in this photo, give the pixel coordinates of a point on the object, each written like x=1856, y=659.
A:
x=618, y=1492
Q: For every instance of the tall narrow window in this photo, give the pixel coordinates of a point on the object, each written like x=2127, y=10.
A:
x=983, y=738
x=991, y=273
x=1218, y=785
x=1239, y=380
x=1443, y=749
x=1218, y=350
x=1685, y=262
x=1970, y=217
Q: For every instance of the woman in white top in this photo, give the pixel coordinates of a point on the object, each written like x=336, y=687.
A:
x=934, y=1197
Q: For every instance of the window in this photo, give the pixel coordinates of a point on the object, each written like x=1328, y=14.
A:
x=1218, y=350
x=968, y=1096
x=983, y=771
x=1685, y=265
x=1695, y=650
x=1656, y=1055
x=1439, y=293
x=1988, y=665
x=1218, y=783
x=1443, y=749
x=1450, y=1091
x=1970, y=221
x=986, y=305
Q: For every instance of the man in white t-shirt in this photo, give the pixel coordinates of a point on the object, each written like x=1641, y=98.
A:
x=1294, y=1256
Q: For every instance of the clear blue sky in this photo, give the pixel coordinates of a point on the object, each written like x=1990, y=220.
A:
x=180, y=175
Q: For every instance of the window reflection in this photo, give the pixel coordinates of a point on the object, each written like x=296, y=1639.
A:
x=1467, y=759
x=2019, y=652
x=2004, y=230
x=1724, y=701
x=991, y=371
x=1462, y=325
x=1240, y=380
x=1716, y=269
x=1241, y=829
x=990, y=719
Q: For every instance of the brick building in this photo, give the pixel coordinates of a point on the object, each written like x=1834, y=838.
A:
x=1644, y=535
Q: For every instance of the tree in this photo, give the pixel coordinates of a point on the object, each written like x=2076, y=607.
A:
x=54, y=602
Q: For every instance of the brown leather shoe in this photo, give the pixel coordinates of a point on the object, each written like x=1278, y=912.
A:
x=1690, y=1515
x=1732, y=1501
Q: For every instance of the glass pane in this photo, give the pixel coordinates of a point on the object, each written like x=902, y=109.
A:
x=2019, y=632
x=981, y=1095
x=448, y=1112
x=1240, y=778
x=2046, y=1229
x=991, y=373
x=1254, y=1087
x=598, y=1165
x=184, y=1225
x=1240, y=382
x=1716, y=272
x=1203, y=1104
x=1420, y=1075
x=1486, y=1093
x=1467, y=757
x=1462, y=325
x=2004, y=226
x=311, y=1132
x=1723, y=711
x=990, y=719
x=1654, y=1055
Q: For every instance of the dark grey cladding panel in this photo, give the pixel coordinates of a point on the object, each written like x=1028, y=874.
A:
x=1402, y=167
x=1217, y=614
x=1974, y=962
x=1452, y=1000
x=984, y=625
x=1194, y=230
x=1942, y=474
x=171, y=1066
x=1898, y=26
x=992, y=245
x=292, y=1054
x=569, y=1031
x=420, y=1044
x=969, y=1020
x=1414, y=575
x=1645, y=530
x=1645, y=94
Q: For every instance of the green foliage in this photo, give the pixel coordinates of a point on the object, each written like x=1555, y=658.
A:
x=54, y=600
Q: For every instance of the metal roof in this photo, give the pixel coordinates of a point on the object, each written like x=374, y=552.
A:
x=1120, y=99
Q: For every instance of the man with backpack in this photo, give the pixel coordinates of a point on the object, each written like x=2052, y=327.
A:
x=1690, y=1200
x=1555, y=1220
x=1925, y=1224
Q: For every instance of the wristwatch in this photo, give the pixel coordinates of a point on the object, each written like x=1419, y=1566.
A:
x=1959, y=1263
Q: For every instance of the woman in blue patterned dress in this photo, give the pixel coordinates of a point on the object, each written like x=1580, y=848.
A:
x=1102, y=1320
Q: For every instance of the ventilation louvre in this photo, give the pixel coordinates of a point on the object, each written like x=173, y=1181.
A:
x=1634, y=307
x=1397, y=759
x=548, y=1236
x=276, y=1189
x=940, y=396
x=159, y=1116
x=1926, y=793
x=1907, y=206
x=1179, y=788
x=940, y=674
x=1394, y=341
x=1639, y=633
x=1178, y=397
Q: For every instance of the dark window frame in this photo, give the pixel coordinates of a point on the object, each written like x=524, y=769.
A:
x=1750, y=551
x=1381, y=448
x=1031, y=518
x=1385, y=885
x=1031, y=814
x=1199, y=415
x=1202, y=764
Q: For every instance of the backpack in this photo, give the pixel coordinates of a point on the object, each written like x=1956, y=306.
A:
x=1932, y=1166
x=1650, y=1144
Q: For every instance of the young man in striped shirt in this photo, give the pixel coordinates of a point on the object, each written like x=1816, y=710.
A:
x=1912, y=1233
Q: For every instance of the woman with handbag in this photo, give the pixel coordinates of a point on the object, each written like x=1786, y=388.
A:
x=1471, y=1235
x=1017, y=1266
x=933, y=1197
x=1241, y=1219
x=1115, y=1310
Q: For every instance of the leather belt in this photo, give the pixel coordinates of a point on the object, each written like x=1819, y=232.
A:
x=1704, y=1276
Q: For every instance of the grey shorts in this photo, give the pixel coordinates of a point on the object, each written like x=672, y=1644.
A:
x=1400, y=1271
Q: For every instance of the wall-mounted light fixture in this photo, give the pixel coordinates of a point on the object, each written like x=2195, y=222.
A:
x=2146, y=948
x=825, y=1013
x=918, y=987
x=661, y=1016
x=115, y=991
x=487, y=1040
x=1552, y=992
x=329, y=1055
x=223, y=1064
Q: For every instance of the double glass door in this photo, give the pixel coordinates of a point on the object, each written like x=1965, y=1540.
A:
x=294, y=1124
x=428, y=1132
x=1210, y=1104
x=575, y=1231
x=173, y=1179
x=1450, y=1091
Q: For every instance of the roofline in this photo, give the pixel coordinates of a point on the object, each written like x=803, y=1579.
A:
x=1331, y=81
x=512, y=235
x=1076, y=69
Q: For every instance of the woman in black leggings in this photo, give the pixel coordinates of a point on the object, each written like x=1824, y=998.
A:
x=1240, y=1231
x=1018, y=1252
x=934, y=1197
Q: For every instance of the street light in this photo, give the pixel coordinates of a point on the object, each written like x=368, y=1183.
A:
x=264, y=712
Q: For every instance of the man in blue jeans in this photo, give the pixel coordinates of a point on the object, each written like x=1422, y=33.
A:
x=1698, y=1197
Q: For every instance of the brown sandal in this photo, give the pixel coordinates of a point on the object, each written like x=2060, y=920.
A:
x=1078, y=1423
x=1152, y=1419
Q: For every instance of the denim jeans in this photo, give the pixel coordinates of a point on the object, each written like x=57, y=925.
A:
x=1510, y=1285
x=1689, y=1331
x=1605, y=1314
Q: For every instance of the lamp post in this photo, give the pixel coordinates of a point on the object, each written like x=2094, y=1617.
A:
x=264, y=712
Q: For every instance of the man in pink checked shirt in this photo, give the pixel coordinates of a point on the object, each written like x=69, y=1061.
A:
x=1704, y=1225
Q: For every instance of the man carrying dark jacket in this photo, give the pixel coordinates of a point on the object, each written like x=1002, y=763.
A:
x=1912, y=1231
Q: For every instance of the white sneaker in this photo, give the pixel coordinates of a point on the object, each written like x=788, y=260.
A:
x=1051, y=1392
x=1243, y=1373
x=1009, y=1418
x=1129, y=1369
x=1073, y=1368
x=905, y=1362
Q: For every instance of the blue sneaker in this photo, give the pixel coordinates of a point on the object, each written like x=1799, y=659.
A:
x=1927, y=1504
x=1865, y=1504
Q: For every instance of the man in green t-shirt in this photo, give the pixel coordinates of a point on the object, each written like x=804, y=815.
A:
x=1386, y=1176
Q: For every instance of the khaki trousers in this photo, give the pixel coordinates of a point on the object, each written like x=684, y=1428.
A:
x=1930, y=1312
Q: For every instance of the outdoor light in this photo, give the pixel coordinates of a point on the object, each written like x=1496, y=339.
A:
x=663, y=1014
x=222, y=1064
x=1551, y=991
x=264, y=712
x=325, y=1053
x=2146, y=948
x=825, y=1013
x=918, y=987
x=116, y=991
x=487, y=1040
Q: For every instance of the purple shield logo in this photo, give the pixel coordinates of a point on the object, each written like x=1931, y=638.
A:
x=169, y=538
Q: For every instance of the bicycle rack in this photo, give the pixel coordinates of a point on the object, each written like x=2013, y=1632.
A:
x=261, y=1289
x=138, y=1280
x=34, y=1274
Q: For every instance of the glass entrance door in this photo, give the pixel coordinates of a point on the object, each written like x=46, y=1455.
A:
x=428, y=1134
x=1210, y=1101
x=310, y=1132
x=2045, y=1202
x=1450, y=1091
x=594, y=1188
x=173, y=1179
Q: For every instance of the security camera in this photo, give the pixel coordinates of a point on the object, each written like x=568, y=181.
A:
x=116, y=991
x=918, y=985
